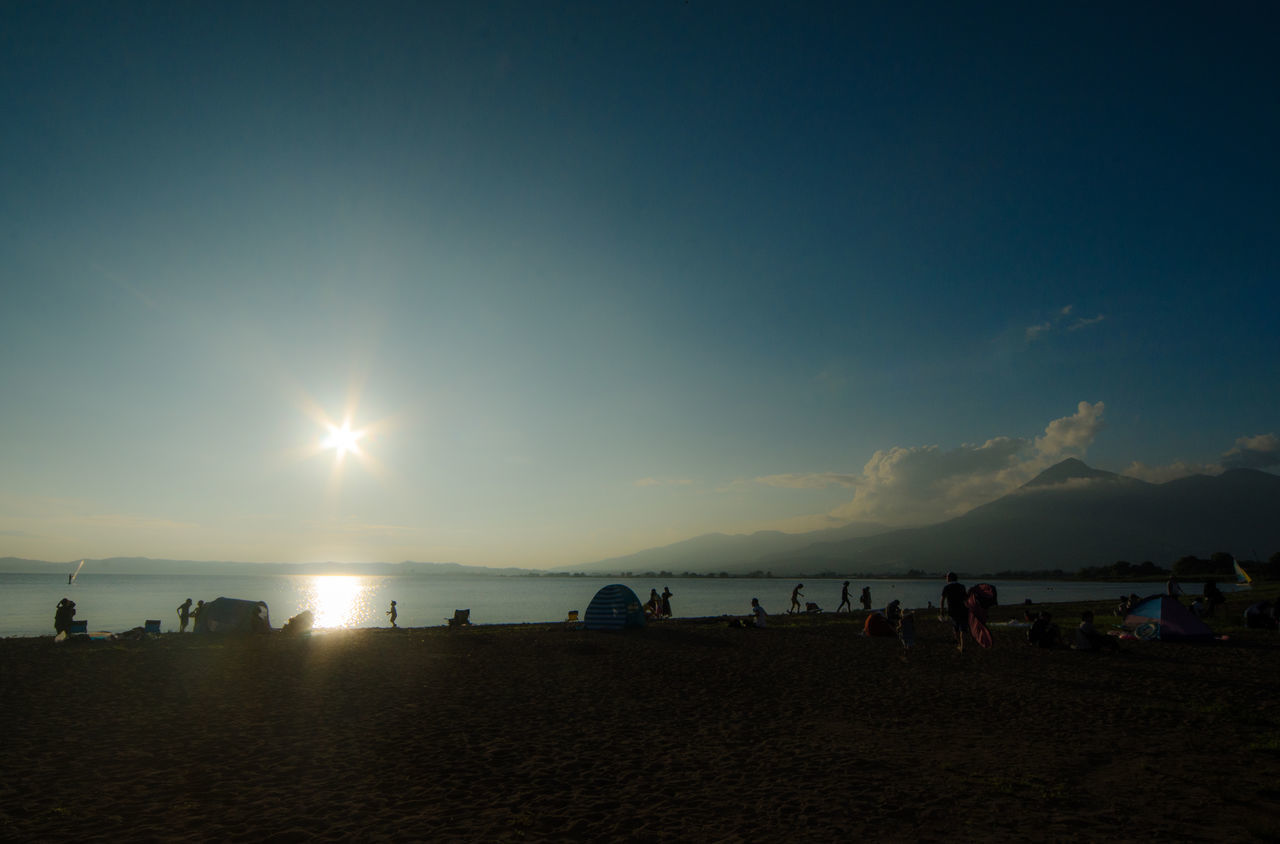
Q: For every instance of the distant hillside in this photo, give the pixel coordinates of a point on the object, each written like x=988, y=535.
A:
x=146, y=565
x=714, y=552
x=1069, y=517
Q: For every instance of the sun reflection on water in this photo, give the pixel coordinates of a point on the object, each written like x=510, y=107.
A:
x=339, y=600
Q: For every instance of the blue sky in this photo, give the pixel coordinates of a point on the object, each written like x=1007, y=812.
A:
x=598, y=277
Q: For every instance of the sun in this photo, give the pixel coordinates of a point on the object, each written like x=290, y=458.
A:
x=343, y=440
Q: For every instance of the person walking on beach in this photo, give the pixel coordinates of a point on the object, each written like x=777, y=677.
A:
x=953, y=604
x=759, y=617
x=844, y=598
x=184, y=615
x=865, y=600
x=666, y=601
x=796, y=595
x=391, y=613
x=907, y=632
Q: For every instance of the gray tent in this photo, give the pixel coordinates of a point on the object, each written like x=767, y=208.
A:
x=232, y=615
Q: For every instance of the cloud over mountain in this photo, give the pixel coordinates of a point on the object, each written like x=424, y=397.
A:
x=920, y=484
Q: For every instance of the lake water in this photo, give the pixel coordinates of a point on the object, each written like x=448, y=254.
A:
x=116, y=602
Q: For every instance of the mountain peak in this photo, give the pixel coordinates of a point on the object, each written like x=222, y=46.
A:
x=1070, y=469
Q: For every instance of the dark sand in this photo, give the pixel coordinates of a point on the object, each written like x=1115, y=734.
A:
x=688, y=730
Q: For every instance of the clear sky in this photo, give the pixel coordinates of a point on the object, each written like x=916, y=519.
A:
x=597, y=277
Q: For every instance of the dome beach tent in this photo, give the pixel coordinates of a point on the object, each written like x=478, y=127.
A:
x=613, y=608
x=1162, y=617
x=232, y=615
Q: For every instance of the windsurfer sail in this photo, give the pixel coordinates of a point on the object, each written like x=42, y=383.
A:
x=1243, y=580
x=71, y=578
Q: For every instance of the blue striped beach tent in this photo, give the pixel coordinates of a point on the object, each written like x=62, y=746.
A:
x=613, y=608
x=1162, y=617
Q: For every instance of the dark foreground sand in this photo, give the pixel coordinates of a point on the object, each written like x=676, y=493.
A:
x=685, y=731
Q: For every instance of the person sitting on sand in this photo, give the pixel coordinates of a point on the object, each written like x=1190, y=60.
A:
x=953, y=600
x=865, y=599
x=392, y=614
x=759, y=618
x=893, y=613
x=1044, y=633
x=1089, y=639
x=844, y=598
x=184, y=615
x=796, y=595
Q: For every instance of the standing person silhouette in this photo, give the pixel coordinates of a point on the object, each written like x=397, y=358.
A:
x=865, y=600
x=953, y=603
x=796, y=595
x=195, y=615
x=844, y=598
x=666, y=601
x=391, y=613
x=184, y=615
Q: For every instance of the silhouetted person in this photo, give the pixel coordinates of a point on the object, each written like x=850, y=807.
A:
x=1173, y=588
x=1213, y=596
x=953, y=603
x=865, y=599
x=1089, y=639
x=666, y=601
x=195, y=614
x=844, y=598
x=893, y=613
x=1044, y=633
x=391, y=613
x=184, y=615
x=796, y=595
x=63, y=615
x=907, y=632
x=759, y=618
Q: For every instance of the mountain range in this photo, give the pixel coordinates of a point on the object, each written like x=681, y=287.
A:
x=1068, y=517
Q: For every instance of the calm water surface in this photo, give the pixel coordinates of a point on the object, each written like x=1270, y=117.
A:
x=117, y=602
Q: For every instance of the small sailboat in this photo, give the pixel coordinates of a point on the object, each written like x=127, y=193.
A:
x=1243, y=580
x=71, y=578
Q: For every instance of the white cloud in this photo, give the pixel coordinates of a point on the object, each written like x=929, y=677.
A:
x=1083, y=322
x=808, y=480
x=1057, y=320
x=1072, y=433
x=1034, y=331
x=664, y=482
x=923, y=484
x=1260, y=452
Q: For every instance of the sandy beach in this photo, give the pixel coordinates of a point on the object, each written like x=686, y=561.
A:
x=689, y=730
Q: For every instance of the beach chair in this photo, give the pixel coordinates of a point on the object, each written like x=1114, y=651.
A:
x=78, y=627
x=151, y=625
x=461, y=618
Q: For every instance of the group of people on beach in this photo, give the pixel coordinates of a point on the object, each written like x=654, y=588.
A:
x=658, y=606
x=188, y=614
